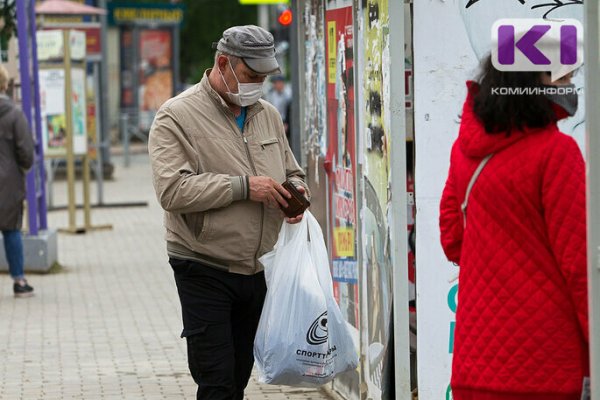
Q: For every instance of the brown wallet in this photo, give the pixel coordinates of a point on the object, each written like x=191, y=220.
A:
x=297, y=204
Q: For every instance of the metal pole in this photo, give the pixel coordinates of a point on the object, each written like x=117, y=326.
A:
x=104, y=141
x=399, y=234
x=263, y=16
x=50, y=182
x=124, y=128
x=99, y=164
x=42, y=210
x=592, y=92
x=295, y=139
x=26, y=96
x=297, y=121
x=69, y=141
x=87, y=212
x=176, y=32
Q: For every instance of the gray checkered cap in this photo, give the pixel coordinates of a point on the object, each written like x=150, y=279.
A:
x=254, y=45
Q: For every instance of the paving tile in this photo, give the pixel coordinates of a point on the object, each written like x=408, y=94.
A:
x=108, y=325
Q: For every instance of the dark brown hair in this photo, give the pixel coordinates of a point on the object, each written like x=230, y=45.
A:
x=505, y=112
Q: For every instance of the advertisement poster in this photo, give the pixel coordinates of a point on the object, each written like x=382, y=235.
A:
x=79, y=111
x=91, y=114
x=376, y=206
x=442, y=67
x=341, y=165
x=155, y=73
x=52, y=101
x=127, y=67
x=50, y=45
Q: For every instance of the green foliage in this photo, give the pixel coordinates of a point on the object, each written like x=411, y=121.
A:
x=204, y=23
x=8, y=13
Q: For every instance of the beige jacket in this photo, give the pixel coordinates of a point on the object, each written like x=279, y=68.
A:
x=199, y=163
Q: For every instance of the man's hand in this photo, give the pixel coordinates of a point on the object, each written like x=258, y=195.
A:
x=267, y=191
x=297, y=218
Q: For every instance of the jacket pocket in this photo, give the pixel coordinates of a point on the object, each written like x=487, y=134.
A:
x=265, y=143
x=269, y=159
x=197, y=223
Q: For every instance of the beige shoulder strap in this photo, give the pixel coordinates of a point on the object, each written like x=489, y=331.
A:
x=463, y=206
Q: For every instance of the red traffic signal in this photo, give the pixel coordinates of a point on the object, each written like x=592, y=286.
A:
x=285, y=18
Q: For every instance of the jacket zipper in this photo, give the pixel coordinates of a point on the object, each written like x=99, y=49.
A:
x=262, y=206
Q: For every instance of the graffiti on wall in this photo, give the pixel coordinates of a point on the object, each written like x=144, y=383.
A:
x=546, y=6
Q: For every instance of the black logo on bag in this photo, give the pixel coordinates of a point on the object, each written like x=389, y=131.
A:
x=317, y=333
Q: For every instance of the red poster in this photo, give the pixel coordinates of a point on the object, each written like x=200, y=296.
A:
x=341, y=158
x=155, y=73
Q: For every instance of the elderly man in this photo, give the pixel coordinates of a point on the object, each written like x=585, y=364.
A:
x=219, y=155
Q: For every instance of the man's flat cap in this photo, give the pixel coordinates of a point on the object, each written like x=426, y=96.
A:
x=253, y=44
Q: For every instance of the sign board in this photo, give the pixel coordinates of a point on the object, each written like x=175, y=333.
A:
x=78, y=44
x=142, y=13
x=92, y=37
x=49, y=45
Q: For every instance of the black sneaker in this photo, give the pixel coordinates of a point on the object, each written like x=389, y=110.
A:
x=22, y=290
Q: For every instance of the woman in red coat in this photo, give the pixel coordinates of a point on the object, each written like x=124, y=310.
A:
x=522, y=318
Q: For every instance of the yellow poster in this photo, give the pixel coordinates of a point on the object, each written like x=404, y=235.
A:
x=344, y=241
x=331, y=50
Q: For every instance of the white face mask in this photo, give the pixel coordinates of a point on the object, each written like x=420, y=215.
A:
x=248, y=93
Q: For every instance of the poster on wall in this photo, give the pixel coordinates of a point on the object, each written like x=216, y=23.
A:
x=341, y=165
x=127, y=64
x=315, y=83
x=79, y=111
x=91, y=114
x=52, y=102
x=443, y=66
x=155, y=73
x=375, y=143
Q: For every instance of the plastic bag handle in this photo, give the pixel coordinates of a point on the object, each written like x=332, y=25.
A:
x=319, y=253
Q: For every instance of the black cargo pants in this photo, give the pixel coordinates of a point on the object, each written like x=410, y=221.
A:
x=220, y=313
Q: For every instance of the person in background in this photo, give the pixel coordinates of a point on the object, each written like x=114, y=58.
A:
x=16, y=157
x=219, y=155
x=520, y=241
x=281, y=97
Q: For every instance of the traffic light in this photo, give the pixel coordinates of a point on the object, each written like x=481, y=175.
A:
x=285, y=17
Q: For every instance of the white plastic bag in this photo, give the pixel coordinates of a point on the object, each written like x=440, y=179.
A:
x=302, y=339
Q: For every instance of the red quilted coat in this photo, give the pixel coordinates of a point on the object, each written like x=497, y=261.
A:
x=522, y=318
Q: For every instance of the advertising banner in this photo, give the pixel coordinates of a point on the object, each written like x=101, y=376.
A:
x=79, y=111
x=52, y=101
x=155, y=73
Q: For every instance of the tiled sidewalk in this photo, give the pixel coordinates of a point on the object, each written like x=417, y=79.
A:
x=106, y=326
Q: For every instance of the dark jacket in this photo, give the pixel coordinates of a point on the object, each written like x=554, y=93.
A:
x=522, y=318
x=16, y=157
